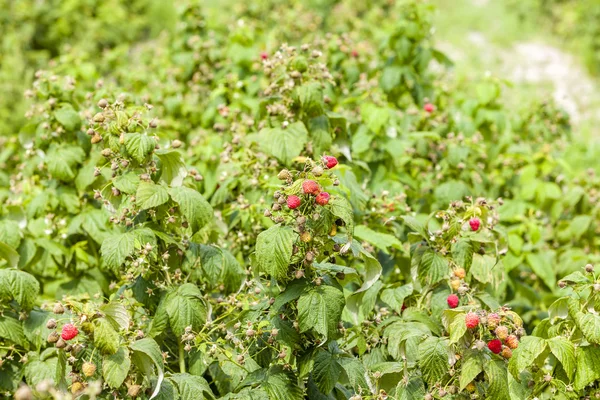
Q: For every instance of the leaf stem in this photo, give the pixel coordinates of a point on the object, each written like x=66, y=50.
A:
x=181, y=358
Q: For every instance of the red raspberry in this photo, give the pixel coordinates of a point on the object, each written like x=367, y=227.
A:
x=452, y=301
x=293, y=201
x=471, y=320
x=512, y=341
x=474, y=223
x=354, y=53
x=264, y=55
x=69, y=331
x=429, y=107
x=495, y=346
x=310, y=187
x=322, y=198
x=330, y=161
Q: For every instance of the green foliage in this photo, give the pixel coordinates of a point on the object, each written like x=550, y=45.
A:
x=145, y=201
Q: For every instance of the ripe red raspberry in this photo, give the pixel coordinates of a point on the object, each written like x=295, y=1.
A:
x=471, y=320
x=429, y=107
x=495, y=346
x=512, y=341
x=293, y=201
x=452, y=301
x=330, y=161
x=474, y=224
x=310, y=187
x=322, y=198
x=493, y=320
x=264, y=55
x=69, y=331
x=502, y=332
x=354, y=53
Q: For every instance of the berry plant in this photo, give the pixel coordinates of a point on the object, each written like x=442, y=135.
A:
x=283, y=200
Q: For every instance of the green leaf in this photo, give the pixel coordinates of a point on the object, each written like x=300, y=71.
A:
x=579, y=225
x=68, y=118
x=147, y=355
x=9, y=254
x=589, y=325
x=37, y=371
x=150, y=195
x=374, y=117
x=462, y=253
x=481, y=267
x=433, y=267
x=117, y=315
x=377, y=239
x=472, y=365
x=356, y=372
x=20, y=286
x=116, y=248
x=564, y=351
x=341, y=208
x=416, y=226
x=106, y=339
x=127, y=183
x=395, y=297
x=274, y=250
x=186, y=307
x=320, y=309
x=542, y=267
x=139, y=146
x=115, y=368
x=284, y=144
x=457, y=328
x=414, y=389
x=326, y=371
x=524, y=355
x=310, y=98
x=588, y=366
x=194, y=207
x=12, y=330
x=62, y=160
x=172, y=167
x=319, y=135
x=495, y=371
x=34, y=327
x=192, y=387
x=282, y=385
x=433, y=359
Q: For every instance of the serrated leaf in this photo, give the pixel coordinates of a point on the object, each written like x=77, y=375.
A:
x=395, y=297
x=320, y=309
x=34, y=327
x=472, y=365
x=414, y=389
x=192, y=387
x=62, y=160
x=193, y=205
x=523, y=356
x=185, y=308
x=481, y=267
x=457, y=328
x=433, y=267
x=68, y=118
x=542, y=266
x=9, y=254
x=12, y=330
x=127, y=183
x=341, y=208
x=172, y=167
x=115, y=367
x=147, y=355
x=564, y=351
x=588, y=366
x=284, y=144
x=106, y=339
x=150, y=195
x=320, y=135
x=20, y=286
x=282, y=385
x=116, y=248
x=117, y=315
x=416, y=226
x=356, y=372
x=433, y=359
x=274, y=250
x=139, y=145
x=495, y=371
x=326, y=371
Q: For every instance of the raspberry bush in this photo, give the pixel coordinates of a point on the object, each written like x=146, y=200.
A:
x=283, y=202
